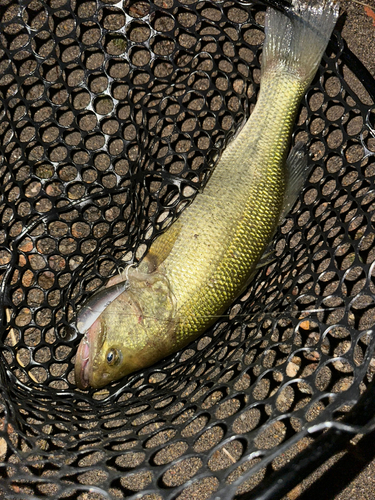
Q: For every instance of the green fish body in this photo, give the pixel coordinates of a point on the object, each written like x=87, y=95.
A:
x=194, y=271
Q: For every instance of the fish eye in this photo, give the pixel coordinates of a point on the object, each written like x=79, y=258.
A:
x=113, y=357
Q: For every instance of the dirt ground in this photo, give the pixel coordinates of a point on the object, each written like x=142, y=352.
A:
x=349, y=475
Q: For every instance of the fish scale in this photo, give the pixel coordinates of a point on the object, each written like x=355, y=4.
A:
x=195, y=270
x=208, y=272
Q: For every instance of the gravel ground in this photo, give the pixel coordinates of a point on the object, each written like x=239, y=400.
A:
x=349, y=475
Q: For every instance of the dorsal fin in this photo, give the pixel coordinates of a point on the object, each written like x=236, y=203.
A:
x=297, y=172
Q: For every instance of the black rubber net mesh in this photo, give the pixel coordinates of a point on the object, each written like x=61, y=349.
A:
x=112, y=116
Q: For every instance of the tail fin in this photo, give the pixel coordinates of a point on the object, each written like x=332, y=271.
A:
x=297, y=40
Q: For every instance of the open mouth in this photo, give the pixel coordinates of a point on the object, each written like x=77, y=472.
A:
x=83, y=364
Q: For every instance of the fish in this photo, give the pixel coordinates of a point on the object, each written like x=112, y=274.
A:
x=194, y=271
x=98, y=303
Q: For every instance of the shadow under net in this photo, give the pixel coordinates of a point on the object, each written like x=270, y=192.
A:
x=112, y=118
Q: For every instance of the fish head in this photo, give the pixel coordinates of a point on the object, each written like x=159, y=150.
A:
x=108, y=350
x=132, y=332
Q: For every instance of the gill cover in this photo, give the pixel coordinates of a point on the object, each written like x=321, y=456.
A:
x=134, y=330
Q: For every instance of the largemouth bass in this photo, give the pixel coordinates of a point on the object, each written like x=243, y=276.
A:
x=194, y=271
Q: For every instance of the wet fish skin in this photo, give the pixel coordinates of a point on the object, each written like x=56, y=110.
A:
x=194, y=271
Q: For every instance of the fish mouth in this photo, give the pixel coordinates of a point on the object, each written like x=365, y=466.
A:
x=82, y=368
